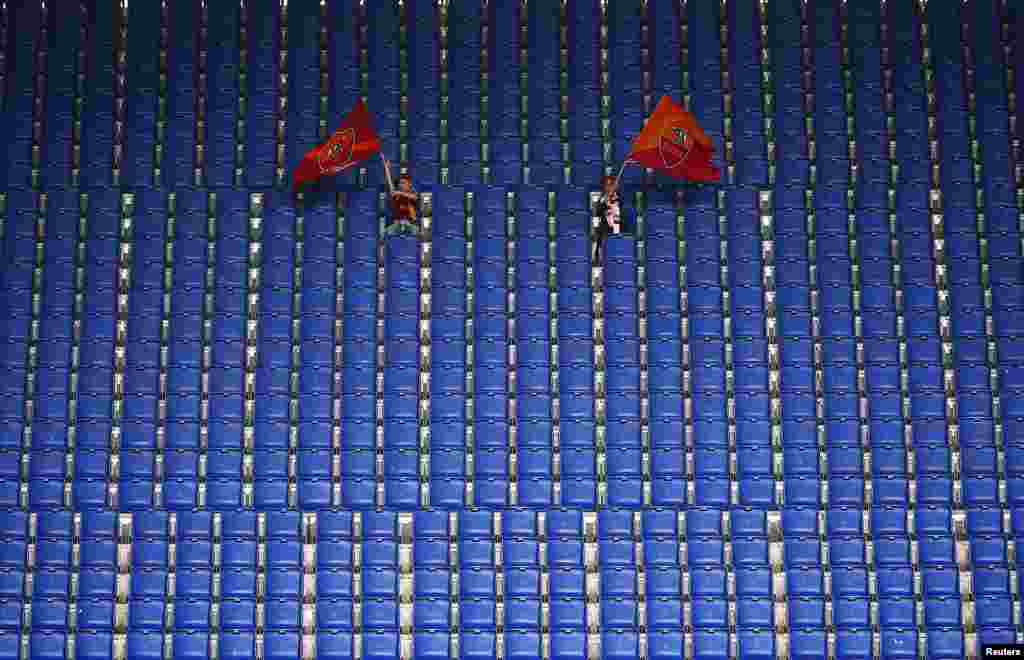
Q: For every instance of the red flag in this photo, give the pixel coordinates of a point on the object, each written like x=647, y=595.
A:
x=353, y=142
x=673, y=143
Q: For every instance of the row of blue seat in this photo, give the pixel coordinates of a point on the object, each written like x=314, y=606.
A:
x=558, y=523
x=519, y=645
x=836, y=325
x=489, y=279
x=490, y=492
x=576, y=428
x=707, y=558
x=870, y=199
x=534, y=457
x=533, y=460
x=192, y=613
x=533, y=364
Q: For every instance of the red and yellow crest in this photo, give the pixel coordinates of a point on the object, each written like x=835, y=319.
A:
x=336, y=155
x=353, y=142
x=674, y=145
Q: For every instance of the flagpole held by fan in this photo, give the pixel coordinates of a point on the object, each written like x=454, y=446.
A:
x=387, y=172
x=621, y=169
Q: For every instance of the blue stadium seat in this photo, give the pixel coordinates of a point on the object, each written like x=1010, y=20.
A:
x=234, y=421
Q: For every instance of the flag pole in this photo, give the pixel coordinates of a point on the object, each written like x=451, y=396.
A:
x=387, y=172
x=619, y=175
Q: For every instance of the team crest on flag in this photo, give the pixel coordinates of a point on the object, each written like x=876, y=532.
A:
x=675, y=147
x=353, y=142
x=336, y=155
x=673, y=143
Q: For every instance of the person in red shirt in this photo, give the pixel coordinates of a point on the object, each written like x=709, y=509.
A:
x=404, y=204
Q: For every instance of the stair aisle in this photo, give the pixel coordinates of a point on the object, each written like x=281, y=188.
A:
x=533, y=466
x=443, y=493
x=147, y=425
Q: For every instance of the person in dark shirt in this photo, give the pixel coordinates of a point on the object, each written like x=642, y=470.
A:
x=608, y=220
x=404, y=204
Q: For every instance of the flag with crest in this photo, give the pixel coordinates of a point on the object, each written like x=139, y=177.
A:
x=353, y=142
x=673, y=143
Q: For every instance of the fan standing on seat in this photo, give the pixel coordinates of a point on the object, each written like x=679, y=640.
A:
x=404, y=204
x=607, y=217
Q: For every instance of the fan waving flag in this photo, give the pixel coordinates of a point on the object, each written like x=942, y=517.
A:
x=673, y=143
x=353, y=142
